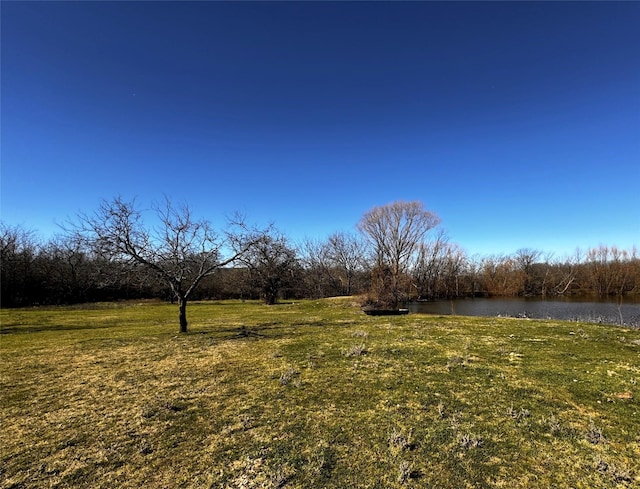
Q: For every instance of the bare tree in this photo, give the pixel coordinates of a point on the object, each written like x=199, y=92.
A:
x=439, y=269
x=395, y=232
x=502, y=276
x=319, y=282
x=565, y=274
x=454, y=264
x=19, y=281
x=429, y=266
x=610, y=270
x=70, y=269
x=180, y=251
x=526, y=259
x=345, y=253
x=272, y=264
x=335, y=266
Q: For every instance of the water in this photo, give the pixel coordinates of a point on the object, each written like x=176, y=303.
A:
x=627, y=314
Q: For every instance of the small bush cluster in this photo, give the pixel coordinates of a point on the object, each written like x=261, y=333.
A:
x=405, y=472
x=399, y=440
x=594, y=435
x=518, y=414
x=458, y=361
x=288, y=375
x=552, y=424
x=619, y=475
x=467, y=441
x=356, y=351
x=360, y=334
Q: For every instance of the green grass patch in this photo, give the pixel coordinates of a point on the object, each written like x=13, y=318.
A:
x=313, y=394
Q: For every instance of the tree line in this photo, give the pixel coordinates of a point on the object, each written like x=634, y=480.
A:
x=397, y=254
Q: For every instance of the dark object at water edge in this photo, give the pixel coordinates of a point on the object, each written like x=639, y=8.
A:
x=385, y=312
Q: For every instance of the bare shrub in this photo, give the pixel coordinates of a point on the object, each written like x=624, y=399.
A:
x=594, y=435
x=246, y=422
x=553, y=425
x=456, y=361
x=518, y=414
x=280, y=476
x=467, y=441
x=288, y=375
x=404, y=472
x=356, y=351
x=399, y=440
x=619, y=475
x=145, y=448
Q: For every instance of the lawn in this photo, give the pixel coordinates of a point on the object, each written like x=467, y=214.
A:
x=313, y=394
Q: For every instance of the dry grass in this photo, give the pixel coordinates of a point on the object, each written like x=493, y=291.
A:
x=256, y=396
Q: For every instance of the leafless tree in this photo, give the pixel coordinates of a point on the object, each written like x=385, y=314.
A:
x=526, y=260
x=565, y=274
x=454, y=266
x=314, y=259
x=394, y=232
x=501, y=276
x=70, y=269
x=346, y=255
x=19, y=248
x=335, y=266
x=610, y=270
x=180, y=250
x=272, y=264
x=429, y=266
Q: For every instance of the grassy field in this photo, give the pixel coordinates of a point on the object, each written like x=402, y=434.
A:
x=313, y=394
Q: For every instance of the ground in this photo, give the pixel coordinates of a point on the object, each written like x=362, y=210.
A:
x=313, y=394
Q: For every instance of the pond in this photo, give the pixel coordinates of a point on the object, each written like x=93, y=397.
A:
x=589, y=310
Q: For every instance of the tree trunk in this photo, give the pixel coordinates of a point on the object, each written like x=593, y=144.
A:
x=271, y=296
x=182, y=305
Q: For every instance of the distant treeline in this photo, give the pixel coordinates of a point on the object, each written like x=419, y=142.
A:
x=64, y=271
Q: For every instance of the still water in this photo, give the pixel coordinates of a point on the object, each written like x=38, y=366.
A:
x=604, y=312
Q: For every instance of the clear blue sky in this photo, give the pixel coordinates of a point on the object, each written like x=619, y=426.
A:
x=517, y=123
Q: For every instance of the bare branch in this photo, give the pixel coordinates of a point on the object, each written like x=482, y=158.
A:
x=179, y=250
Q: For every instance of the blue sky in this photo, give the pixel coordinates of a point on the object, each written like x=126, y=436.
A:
x=517, y=123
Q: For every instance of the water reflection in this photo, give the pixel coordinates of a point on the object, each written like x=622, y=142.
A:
x=627, y=314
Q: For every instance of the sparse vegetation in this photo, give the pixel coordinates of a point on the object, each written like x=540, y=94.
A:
x=399, y=440
x=393, y=266
x=356, y=350
x=109, y=395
